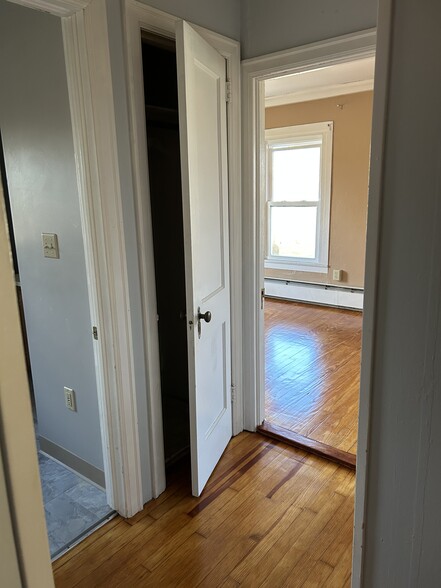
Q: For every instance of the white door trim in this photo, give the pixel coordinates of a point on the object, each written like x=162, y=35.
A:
x=254, y=72
x=381, y=100
x=139, y=17
x=86, y=47
x=56, y=7
x=93, y=122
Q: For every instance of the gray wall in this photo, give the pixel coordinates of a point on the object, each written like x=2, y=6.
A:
x=37, y=136
x=274, y=25
x=222, y=16
x=403, y=518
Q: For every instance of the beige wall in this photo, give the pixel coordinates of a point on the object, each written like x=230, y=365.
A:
x=352, y=131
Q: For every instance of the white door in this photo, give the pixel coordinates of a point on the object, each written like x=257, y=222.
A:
x=203, y=130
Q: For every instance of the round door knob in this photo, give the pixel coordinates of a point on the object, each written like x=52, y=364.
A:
x=205, y=315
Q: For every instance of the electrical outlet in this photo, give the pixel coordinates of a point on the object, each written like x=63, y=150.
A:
x=69, y=398
x=50, y=245
x=337, y=275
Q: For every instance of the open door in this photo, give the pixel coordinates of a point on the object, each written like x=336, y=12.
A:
x=203, y=132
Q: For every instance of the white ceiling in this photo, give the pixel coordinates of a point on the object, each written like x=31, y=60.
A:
x=335, y=80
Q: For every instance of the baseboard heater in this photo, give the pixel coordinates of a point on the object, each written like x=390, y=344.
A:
x=326, y=294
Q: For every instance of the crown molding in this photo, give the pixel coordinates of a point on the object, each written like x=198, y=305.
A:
x=320, y=93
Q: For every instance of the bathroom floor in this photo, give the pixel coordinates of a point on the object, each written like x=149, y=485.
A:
x=73, y=506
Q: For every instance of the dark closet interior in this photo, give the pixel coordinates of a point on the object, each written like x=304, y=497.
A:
x=161, y=109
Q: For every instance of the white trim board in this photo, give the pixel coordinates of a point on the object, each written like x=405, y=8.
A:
x=139, y=17
x=56, y=7
x=93, y=122
x=315, y=293
x=321, y=134
x=319, y=93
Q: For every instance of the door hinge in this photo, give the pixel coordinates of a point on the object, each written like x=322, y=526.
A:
x=95, y=333
x=233, y=394
x=228, y=91
x=262, y=298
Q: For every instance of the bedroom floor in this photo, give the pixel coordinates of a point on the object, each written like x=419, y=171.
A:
x=312, y=367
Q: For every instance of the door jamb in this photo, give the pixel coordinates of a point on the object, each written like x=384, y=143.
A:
x=139, y=17
x=254, y=72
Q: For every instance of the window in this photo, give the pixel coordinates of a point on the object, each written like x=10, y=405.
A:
x=299, y=163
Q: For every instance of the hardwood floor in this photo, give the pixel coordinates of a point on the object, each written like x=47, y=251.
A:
x=313, y=371
x=271, y=516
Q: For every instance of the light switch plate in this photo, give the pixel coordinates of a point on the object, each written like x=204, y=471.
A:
x=69, y=398
x=50, y=245
x=337, y=275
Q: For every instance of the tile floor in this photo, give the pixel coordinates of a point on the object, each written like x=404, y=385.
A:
x=72, y=505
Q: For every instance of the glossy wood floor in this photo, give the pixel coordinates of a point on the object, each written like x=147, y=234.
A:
x=313, y=371
x=270, y=516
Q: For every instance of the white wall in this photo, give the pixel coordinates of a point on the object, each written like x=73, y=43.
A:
x=37, y=135
x=403, y=516
x=268, y=26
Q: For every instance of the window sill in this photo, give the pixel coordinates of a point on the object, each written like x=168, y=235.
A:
x=298, y=267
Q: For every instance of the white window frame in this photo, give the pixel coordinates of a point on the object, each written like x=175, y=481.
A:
x=296, y=136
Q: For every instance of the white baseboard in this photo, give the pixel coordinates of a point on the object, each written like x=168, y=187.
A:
x=315, y=293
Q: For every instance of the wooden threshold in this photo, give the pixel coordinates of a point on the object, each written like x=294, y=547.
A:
x=316, y=447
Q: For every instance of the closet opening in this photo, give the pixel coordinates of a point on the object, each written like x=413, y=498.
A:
x=164, y=164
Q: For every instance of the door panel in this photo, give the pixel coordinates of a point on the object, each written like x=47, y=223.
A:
x=203, y=130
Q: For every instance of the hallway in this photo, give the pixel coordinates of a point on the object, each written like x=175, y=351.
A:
x=270, y=516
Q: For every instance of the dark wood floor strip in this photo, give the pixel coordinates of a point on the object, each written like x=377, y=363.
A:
x=283, y=481
x=209, y=499
x=316, y=447
x=235, y=465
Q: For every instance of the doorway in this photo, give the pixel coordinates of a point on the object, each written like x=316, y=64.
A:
x=186, y=123
x=163, y=148
x=316, y=141
x=74, y=495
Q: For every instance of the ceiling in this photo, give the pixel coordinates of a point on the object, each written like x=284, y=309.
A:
x=335, y=80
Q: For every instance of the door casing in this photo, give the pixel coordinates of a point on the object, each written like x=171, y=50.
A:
x=254, y=73
x=139, y=17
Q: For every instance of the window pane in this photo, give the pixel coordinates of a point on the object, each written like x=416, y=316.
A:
x=293, y=231
x=296, y=174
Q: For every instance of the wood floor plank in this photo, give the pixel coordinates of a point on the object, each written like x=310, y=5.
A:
x=320, y=572
x=341, y=574
x=87, y=542
x=278, y=517
x=301, y=544
x=81, y=564
x=229, y=583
